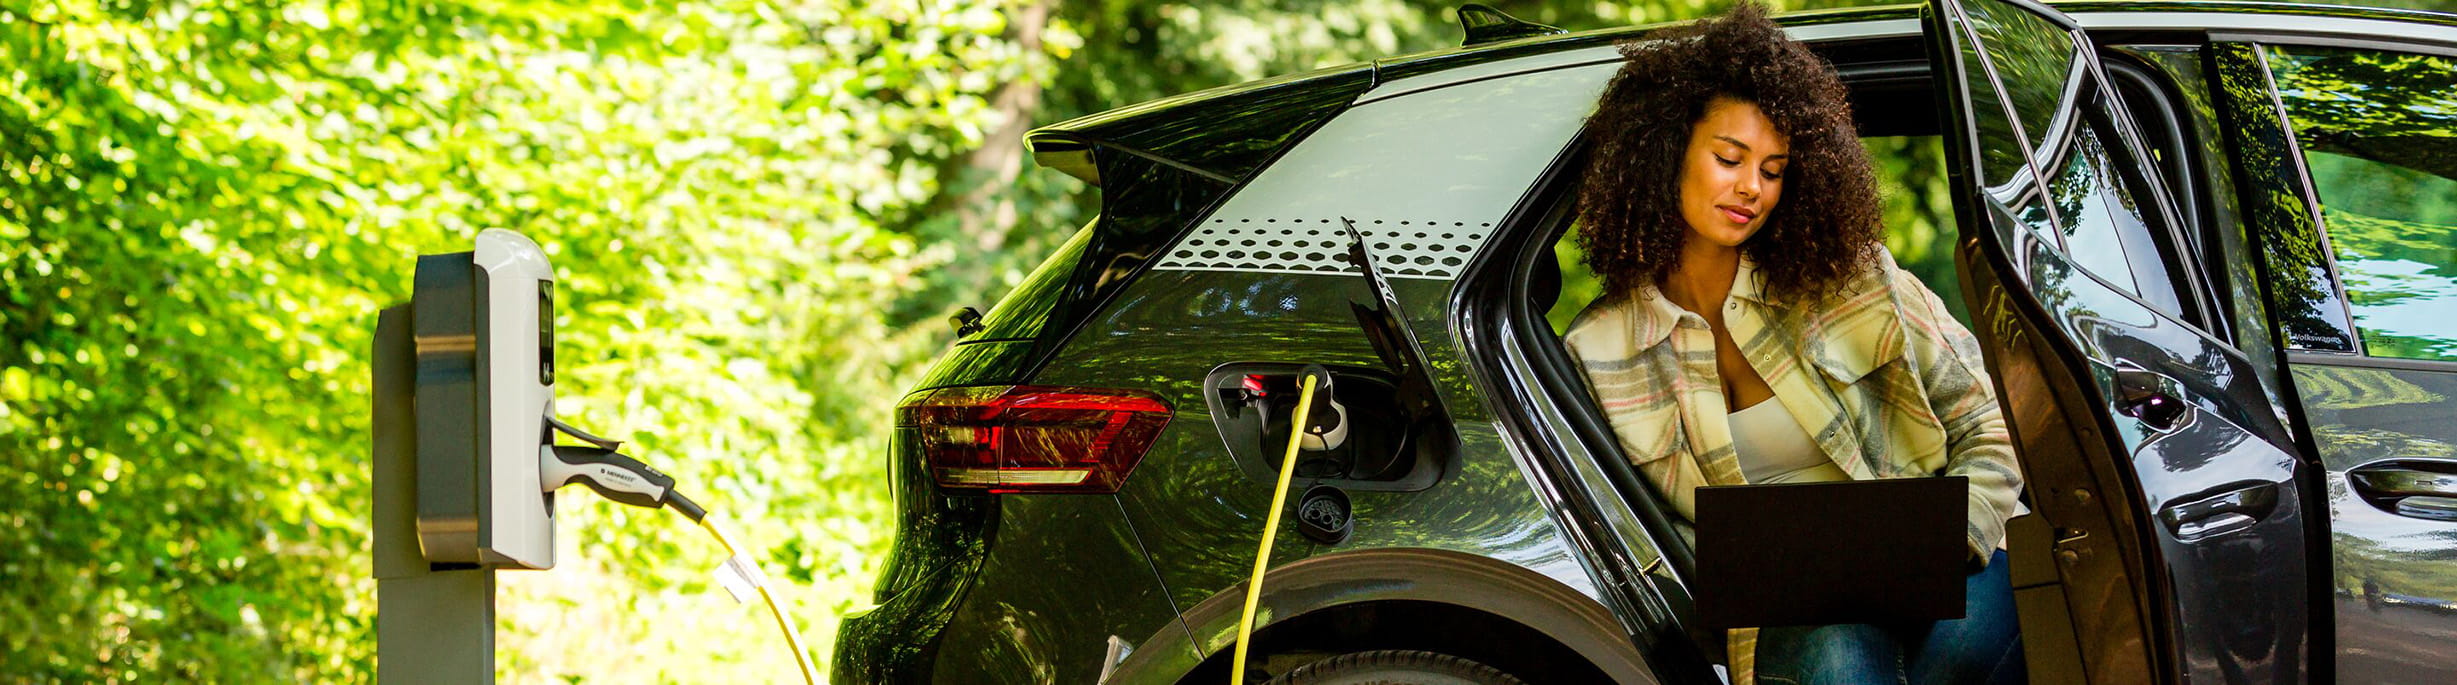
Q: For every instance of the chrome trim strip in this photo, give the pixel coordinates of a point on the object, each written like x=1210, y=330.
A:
x=2239, y=22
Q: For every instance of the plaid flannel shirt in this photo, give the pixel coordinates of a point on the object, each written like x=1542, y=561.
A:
x=1880, y=375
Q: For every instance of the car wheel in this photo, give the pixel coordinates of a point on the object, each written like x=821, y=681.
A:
x=1395, y=667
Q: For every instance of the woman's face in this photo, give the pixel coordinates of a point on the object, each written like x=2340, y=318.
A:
x=1733, y=172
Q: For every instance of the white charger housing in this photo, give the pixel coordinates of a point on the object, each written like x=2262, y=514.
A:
x=484, y=325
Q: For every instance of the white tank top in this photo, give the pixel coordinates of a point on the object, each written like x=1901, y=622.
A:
x=1774, y=449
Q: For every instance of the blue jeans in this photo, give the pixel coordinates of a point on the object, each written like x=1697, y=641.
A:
x=1984, y=646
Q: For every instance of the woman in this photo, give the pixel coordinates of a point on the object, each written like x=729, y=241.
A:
x=1754, y=330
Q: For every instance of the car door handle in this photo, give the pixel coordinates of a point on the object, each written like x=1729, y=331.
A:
x=2416, y=488
x=2231, y=508
x=2402, y=478
x=2144, y=394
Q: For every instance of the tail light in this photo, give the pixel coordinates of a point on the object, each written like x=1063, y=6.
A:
x=1026, y=438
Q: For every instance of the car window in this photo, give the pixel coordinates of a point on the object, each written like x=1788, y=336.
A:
x=1919, y=228
x=2096, y=207
x=2106, y=225
x=1025, y=310
x=2034, y=61
x=2378, y=132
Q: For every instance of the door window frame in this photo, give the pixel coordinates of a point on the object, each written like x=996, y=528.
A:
x=1540, y=399
x=2195, y=306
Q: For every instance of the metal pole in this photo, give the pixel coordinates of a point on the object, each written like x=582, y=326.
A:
x=434, y=623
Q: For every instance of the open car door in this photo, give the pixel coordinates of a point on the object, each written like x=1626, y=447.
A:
x=2170, y=539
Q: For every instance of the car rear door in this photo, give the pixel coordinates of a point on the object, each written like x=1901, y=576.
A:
x=2171, y=529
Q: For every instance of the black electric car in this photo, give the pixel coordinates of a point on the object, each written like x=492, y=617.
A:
x=2211, y=249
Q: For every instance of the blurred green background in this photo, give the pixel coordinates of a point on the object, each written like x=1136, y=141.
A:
x=761, y=213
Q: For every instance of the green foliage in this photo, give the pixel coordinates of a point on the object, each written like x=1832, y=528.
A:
x=1919, y=214
x=204, y=205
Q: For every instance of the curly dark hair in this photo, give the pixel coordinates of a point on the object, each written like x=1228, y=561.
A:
x=1824, y=229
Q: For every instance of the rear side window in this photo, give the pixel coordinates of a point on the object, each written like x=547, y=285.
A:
x=2379, y=137
x=1025, y=311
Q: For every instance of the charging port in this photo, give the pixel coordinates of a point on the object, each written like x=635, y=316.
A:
x=1384, y=448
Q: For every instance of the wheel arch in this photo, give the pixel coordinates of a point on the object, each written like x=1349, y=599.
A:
x=1385, y=596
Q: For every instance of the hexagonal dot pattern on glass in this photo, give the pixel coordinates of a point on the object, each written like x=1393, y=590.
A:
x=1402, y=248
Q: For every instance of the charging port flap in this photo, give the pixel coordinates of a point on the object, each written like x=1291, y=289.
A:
x=1381, y=429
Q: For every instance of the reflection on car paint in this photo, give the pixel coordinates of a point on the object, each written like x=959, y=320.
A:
x=2360, y=415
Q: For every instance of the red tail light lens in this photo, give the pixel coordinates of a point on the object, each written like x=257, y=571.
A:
x=1026, y=438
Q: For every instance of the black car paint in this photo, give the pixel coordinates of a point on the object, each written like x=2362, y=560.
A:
x=1059, y=567
x=1195, y=497
x=2365, y=414
x=2232, y=390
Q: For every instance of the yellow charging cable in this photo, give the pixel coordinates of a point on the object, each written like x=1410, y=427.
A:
x=750, y=572
x=1271, y=525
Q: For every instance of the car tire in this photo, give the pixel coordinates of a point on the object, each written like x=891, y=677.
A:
x=1395, y=667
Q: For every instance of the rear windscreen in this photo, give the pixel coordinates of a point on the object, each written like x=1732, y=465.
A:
x=1026, y=309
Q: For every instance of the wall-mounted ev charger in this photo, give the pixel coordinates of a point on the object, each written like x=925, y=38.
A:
x=485, y=338
x=467, y=460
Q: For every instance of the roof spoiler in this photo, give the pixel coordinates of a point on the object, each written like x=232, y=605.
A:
x=1066, y=153
x=1223, y=134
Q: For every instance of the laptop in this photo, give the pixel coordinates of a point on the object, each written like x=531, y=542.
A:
x=1864, y=551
